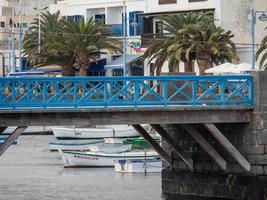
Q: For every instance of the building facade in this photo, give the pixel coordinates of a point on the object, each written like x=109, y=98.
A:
x=143, y=25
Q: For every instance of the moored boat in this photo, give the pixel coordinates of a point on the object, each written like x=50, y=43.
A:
x=114, y=131
x=30, y=130
x=139, y=165
x=110, y=148
x=100, y=159
x=140, y=142
x=78, y=145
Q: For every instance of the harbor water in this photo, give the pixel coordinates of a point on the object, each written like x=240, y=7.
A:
x=29, y=171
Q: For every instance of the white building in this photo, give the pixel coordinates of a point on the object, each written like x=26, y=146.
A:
x=10, y=23
x=231, y=15
x=234, y=15
x=111, y=12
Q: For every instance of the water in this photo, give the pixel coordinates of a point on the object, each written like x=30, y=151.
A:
x=29, y=171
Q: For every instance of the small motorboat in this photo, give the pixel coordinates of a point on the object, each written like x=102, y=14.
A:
x=153, y=165
x=114, y=131
x=140, y=142
x=110, y=148
x=78, y=145
x=101, y=159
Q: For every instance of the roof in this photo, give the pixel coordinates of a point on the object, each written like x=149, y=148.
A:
x=154, y=14
x=118, y=63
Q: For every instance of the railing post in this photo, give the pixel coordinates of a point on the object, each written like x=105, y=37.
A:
x=136, y=92
x=251, y=91
x=44, y=95
x=106, y=93
x=222, y=92
x=165, y=92
x=13, y=95
x=75, y=95
x=194, y=92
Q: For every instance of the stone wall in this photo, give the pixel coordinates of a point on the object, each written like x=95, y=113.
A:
x=208, y=181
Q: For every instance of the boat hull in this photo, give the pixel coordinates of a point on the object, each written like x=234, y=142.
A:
x=92, y=159
x=138, y=166
x=93, y=133
x=78, y=145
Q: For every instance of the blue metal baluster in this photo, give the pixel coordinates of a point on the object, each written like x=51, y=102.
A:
x=13, y=95
x=194, y=93
x=165, y=92
x=106, y=93
x=222, y=92
x=44, y=94
x=251, y=91
x=75, y=93
x=136, y=92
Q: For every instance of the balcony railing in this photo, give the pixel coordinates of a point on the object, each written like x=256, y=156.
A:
x=127, y=92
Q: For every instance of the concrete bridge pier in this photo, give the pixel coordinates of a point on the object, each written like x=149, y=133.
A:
x=245, y=173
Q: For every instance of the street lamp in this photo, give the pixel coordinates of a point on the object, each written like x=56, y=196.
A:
x=262, y=17
x=39, y=9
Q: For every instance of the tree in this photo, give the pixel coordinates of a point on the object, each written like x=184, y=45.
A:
x=73, y=45
x=262, y=54
x=211, y=44
x=167, y=48
x=85, y=39
x=50, y=26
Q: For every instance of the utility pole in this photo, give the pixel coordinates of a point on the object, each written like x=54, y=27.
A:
x=39, y=27
x=13, y=68
x=124, y=38
x=20, y=38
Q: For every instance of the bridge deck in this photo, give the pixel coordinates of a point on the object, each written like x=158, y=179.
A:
x=85, y=118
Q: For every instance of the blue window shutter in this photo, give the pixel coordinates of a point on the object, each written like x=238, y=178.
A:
x=131, y=21
x=139, y=22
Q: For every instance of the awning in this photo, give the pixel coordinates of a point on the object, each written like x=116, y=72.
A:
x=118, y=63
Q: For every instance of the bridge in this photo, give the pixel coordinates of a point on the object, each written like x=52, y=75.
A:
x=195, y=115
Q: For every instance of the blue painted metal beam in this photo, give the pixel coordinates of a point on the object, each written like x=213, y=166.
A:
x=126, y=92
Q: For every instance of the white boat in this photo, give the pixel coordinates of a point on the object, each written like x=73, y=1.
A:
x=139, y=165
x=114, y=131
x=113, y=140
x=78, y=145
x=30, y=129
x=100, y=159
x=110, y=148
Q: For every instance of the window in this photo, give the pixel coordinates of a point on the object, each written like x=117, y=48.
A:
x=167, y=1
x=3, y=24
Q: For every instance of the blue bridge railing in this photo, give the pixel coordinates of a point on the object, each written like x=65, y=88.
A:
x=127, y=92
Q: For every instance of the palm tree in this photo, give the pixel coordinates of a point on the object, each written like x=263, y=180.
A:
x=85, y=40
x=167, y=48
x=73, y=45
x=211, y=44
x=262, y=54
x=50, y=26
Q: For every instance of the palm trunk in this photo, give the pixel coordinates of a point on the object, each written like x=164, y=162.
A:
x=203, y=64
x=203, y=61
x=83, y=70
x=68, y=71
x=189, y=66
x=174, y=68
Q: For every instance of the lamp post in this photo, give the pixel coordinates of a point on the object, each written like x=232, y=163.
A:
x=39, y=9
x=262, y=17
x=124, y=15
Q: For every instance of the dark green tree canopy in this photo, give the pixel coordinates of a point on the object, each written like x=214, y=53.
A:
x=73, y=45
